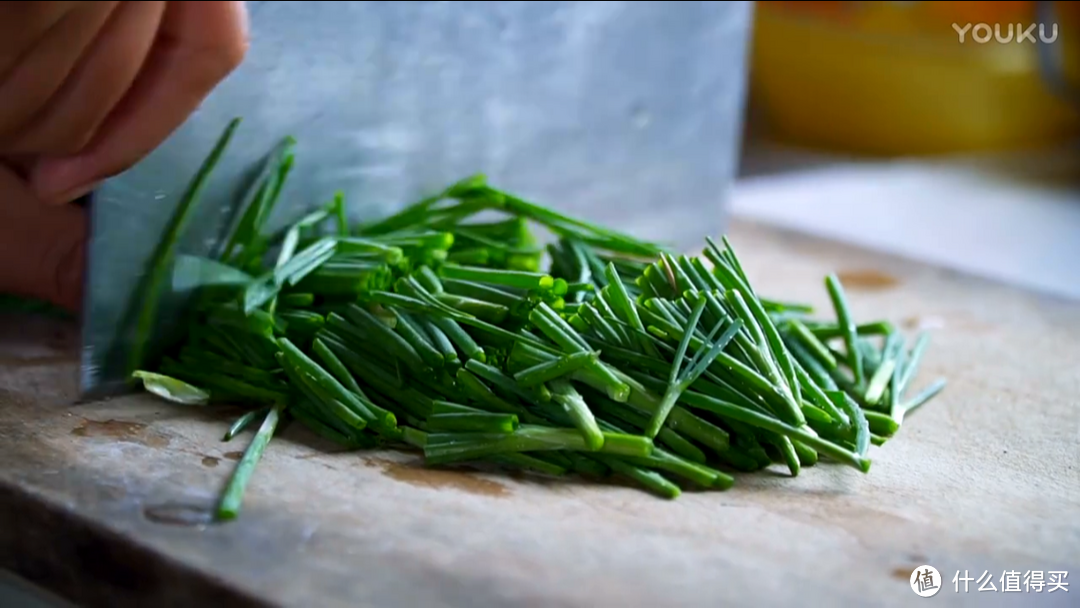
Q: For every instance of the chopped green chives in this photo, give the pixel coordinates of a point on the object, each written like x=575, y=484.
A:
x=229, y=507
x=434, y=331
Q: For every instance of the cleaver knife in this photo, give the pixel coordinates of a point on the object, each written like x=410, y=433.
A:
x=628, y=113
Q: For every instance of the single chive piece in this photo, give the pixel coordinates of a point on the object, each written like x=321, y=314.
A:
x=336, y=367
x=920, y=399
x=439, y=406
x=172, y=389
x=733, y=260
x=297, y=300
x=481, y=291
x=879, y=382
x=199, y=358
x=333, y=407
x=285, y=254
x=525, y=461
x=777, y=365
x=858, y=419
x=229, y=507
x=776, y=306
x=624, y=307
x=481, y=309
x=897, y=375
x=914, y=358
x=811, y=342
x=439, y=339
x=815, y=389
x=484, y=396
x=593, y=318
x=828, y=331
x=321, y=405
x=558, y=331
x=679, y=383
x=881, y=424
x=680, y=419
x=387, y=338
x=387, y=253
x=222, y=384
x=483, y=422
x=413, y=437
x=699, y=474
x=847, y=327
x=383, y=381
x=549, y=322
x=816, y=414
x=578, y=411
x=407, y=328
x=683, y=282
x=807, y=456
x=803, y=435
x=299, y=266
x=242, y=423
x=667, y=436
x=371, y=413
x=411, y=286
x=774, y=343
x=387, y=301
x=651, y=480
x=504, y=382
x=517, y=279
x=791, y=457
x=261, y=197
x=871, y=359
x=444, y=448
x=555, y=368
x=149, y=293
x=680, y=353
x=461, y=339
x=579, y=230
x=330, y=433
x=429, y=280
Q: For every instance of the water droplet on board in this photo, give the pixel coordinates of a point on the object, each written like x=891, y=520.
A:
x=121, y=430
x=419, y=476
x=867, y=279
x=179, y=514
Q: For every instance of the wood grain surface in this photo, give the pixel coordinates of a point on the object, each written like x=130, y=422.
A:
x=107, y=502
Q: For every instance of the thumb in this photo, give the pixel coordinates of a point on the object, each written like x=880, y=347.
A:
x=42, y=248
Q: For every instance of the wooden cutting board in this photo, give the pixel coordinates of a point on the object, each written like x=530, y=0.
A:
x=105, y=502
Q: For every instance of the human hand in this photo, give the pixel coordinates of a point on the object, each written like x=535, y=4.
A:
x=86, y=90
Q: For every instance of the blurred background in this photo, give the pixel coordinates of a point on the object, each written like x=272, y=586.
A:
x=877, y=123
x=947, y=132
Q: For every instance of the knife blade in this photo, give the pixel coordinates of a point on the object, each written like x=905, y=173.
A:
x=616, y=111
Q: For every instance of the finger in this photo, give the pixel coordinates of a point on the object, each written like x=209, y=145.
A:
x=42, y=249
x=199, y=44
x=43, y=68
x=102, y=77
x=24, y=24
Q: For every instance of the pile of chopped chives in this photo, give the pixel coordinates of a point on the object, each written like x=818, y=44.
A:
x=436, y=330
